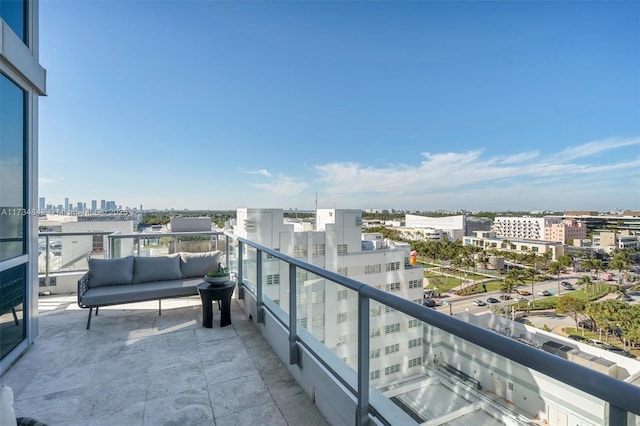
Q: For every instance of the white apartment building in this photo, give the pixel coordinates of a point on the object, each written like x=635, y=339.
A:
x=525, y=228
x=434, y=228
x=490, y=241
x=325, y=309
x=610, y=241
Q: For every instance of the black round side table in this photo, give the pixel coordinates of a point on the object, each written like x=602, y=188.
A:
x=222, y=293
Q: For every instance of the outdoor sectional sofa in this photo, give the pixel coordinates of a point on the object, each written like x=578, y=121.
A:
x=136, y=279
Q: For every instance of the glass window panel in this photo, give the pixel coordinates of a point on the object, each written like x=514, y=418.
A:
x=12, y=296
x=14, y=13
x=12, y=169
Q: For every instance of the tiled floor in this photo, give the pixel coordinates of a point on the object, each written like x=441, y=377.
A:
x=134, y=367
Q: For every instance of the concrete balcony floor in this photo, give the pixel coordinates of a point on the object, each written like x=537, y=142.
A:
x=134, y=367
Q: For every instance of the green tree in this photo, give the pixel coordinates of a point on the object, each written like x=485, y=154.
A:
x=556, y=268
x=531, y=274
x=571, y=306
x=511, y=280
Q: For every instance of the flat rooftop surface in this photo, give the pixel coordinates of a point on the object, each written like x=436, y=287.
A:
x=134, y=367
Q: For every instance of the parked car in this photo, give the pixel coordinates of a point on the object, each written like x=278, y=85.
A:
x=429, y=303
x=505, y=297
x=587, y=325
x=492, y=300
x=567, y=285
x=479, y=302
x=521, y=298
x=626, y=298
x=544, y=293
x=524, y=292
x=577, y=338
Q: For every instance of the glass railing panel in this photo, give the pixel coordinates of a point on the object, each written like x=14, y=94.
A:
x=68, y=252
x=249, y=271
x=275, y=286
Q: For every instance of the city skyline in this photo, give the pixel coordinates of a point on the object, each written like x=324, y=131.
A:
x=425, y=106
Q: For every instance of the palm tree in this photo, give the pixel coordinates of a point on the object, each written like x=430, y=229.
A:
x=511, y=280
x=586, y=281
x=556, y=268
x=531, y=273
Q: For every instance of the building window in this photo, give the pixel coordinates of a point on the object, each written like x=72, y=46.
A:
x=375, y=353
x=372, y=269
x=375, y=332
x=418, y=301
x=317, y=321
x=341, y=340
x=317, y=296
x=318, y=249
x=13, y=186
x=343, y=271
x=391, y=349
x=301, y=274
x=15, y=14
x=374, y=375
x=393, y=287
x=413, y=343
x=300, y=251
x=273, y=279
x=13, y=286
x=415, y=283
x=342, y=249
x=342, y=317
x=415, y=362
x=375, y=310
x=302, y=299
x=392, y=328
x=388, y=309
x=393, y=266
x=414, y=323
x=302, y=322
x=342, y=294
x=391, y=369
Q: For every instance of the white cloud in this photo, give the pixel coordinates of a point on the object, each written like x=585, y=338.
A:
x=472, y=177
x=595, y=147
x=283, y=186
x=262, y=172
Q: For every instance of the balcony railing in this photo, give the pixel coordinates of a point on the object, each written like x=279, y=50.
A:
x=354, y=345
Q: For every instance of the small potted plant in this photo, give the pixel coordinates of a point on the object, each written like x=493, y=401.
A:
x=220, y=276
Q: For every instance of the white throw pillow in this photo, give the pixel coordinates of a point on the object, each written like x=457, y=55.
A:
x=7, y=414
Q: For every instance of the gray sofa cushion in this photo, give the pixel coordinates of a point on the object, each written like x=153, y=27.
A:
x=140, y=292
x=104, y=272
x=198, y=264
x=160, y=268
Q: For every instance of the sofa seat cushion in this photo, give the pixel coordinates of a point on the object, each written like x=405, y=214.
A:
x=114, y=295
x=198, y=264
x=159, y=268
x=105, y=272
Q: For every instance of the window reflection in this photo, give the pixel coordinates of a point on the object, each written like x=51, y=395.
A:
x=14, y=14
x=12, y=324
x=12, y=169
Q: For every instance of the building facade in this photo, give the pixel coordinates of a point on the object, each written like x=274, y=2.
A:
x=22, y=81
x=565, y=231
x=453, y=227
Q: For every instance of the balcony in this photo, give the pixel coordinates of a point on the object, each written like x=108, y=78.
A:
x=361, y=354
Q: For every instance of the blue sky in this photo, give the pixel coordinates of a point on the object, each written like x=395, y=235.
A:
x=410, y=105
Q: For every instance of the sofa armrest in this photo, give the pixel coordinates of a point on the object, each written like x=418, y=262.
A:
x=83, y=286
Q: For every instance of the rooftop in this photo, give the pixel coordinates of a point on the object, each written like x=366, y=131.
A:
x=135, y=367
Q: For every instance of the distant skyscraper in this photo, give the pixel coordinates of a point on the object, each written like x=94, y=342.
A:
x=66, y=204
x=41, y=203
x=94, y=205
x=103, y=205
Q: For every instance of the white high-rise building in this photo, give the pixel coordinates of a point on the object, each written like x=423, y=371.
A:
x=327, y=310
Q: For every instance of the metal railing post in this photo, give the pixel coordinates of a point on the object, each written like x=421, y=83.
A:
x=239, y=267
x=362, y=410
x=293, y=316
x=259, y=303
x=46, y=262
